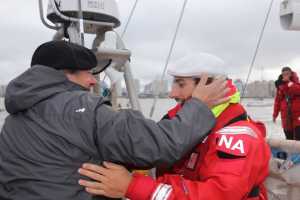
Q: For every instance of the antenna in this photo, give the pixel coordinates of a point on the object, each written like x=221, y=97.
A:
x=72, y=19
x=290, y=14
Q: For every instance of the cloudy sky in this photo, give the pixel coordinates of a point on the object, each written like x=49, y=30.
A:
x=229, y=29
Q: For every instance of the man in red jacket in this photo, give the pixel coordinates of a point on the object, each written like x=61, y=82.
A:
x=287, y=103
x=231, y=163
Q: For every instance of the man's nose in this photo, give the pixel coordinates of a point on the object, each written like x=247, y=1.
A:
x=173, y=93
x=93, y=81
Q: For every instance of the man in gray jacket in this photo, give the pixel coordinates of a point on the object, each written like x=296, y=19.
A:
x=56, y=124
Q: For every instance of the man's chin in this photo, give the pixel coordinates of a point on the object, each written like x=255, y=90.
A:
x=179, y=101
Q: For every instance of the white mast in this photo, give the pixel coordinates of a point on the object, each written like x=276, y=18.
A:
x=74, y=18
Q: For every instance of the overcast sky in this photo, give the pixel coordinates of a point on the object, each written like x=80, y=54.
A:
x=228, y=29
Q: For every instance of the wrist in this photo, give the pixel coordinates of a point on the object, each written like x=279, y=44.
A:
x=203, y=100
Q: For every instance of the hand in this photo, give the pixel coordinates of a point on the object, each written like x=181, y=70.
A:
x=212, y=94
x=290, y=84
x=112, y=180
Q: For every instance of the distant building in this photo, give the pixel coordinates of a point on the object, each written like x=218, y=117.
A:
x=155, y=86
x=260, y=89
x=148, y=89
x=272, y=88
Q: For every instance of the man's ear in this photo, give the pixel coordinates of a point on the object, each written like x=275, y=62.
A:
x=70, y=75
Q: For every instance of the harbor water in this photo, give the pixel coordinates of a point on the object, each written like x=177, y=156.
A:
x=258, y=109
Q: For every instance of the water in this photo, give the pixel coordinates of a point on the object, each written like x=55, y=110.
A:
x=258, y=109
x=261, y=110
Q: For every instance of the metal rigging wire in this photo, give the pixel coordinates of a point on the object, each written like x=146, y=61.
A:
x=168, y=57
x=257, y=48
x=129, y=18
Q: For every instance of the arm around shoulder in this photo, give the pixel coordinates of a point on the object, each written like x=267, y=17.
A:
x=129, y=138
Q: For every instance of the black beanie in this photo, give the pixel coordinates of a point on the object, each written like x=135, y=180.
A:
x=64, y=55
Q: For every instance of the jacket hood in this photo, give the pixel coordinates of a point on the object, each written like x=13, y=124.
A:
x=35, y=85
x=294, y=77
x=279, y=81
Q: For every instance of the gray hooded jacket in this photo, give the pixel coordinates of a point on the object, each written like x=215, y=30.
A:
x=55, y=125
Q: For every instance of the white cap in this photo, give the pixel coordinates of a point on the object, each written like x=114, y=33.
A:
x=196, y=64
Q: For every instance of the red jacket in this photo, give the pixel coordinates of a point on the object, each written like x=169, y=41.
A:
x=230, y=163
x=289, y=120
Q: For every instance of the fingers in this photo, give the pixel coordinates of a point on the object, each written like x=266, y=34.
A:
x=223, y=93
x=96, y=192
x=203, y=80
x=222, y=100
x=220, y=83
x=92, y=167
x=224, y=83
x=94, y=188
x=110, y=180
x=95, y=168
x=97, y=176
x=110, y=165
x=92, y=184
x=219, y=79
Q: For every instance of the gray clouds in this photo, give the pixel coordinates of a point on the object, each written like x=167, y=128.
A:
x=228, y=29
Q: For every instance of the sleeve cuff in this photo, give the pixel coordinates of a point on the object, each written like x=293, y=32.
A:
x=140, y=187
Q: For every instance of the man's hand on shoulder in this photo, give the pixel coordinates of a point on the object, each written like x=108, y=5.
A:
x=212, y=94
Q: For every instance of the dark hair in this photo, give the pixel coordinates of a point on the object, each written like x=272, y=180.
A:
x=278, y=82
x=209, y=80
x=284, y=69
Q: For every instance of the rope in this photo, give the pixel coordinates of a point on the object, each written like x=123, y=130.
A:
x=129, y=18
x=272, y=195
x=257, y=48
x=168, y=57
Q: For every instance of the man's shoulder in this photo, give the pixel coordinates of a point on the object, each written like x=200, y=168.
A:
x=79, y=98
x=237, y=139
x=74, y=102
x=242, y=129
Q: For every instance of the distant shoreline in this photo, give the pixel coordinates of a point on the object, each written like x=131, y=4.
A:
x=168, y=97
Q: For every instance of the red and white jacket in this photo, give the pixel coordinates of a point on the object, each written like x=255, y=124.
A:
x=292, y=120
x=231, y=163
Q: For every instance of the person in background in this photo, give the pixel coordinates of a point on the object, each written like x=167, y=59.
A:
x=55, y=125
x=231, y=163
x=287, y=103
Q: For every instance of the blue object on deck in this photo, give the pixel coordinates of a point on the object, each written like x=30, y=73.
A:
x=281, y=154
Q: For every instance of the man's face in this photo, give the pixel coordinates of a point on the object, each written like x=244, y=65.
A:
x=286, y=75
x=182, y=88
x=83, y=77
